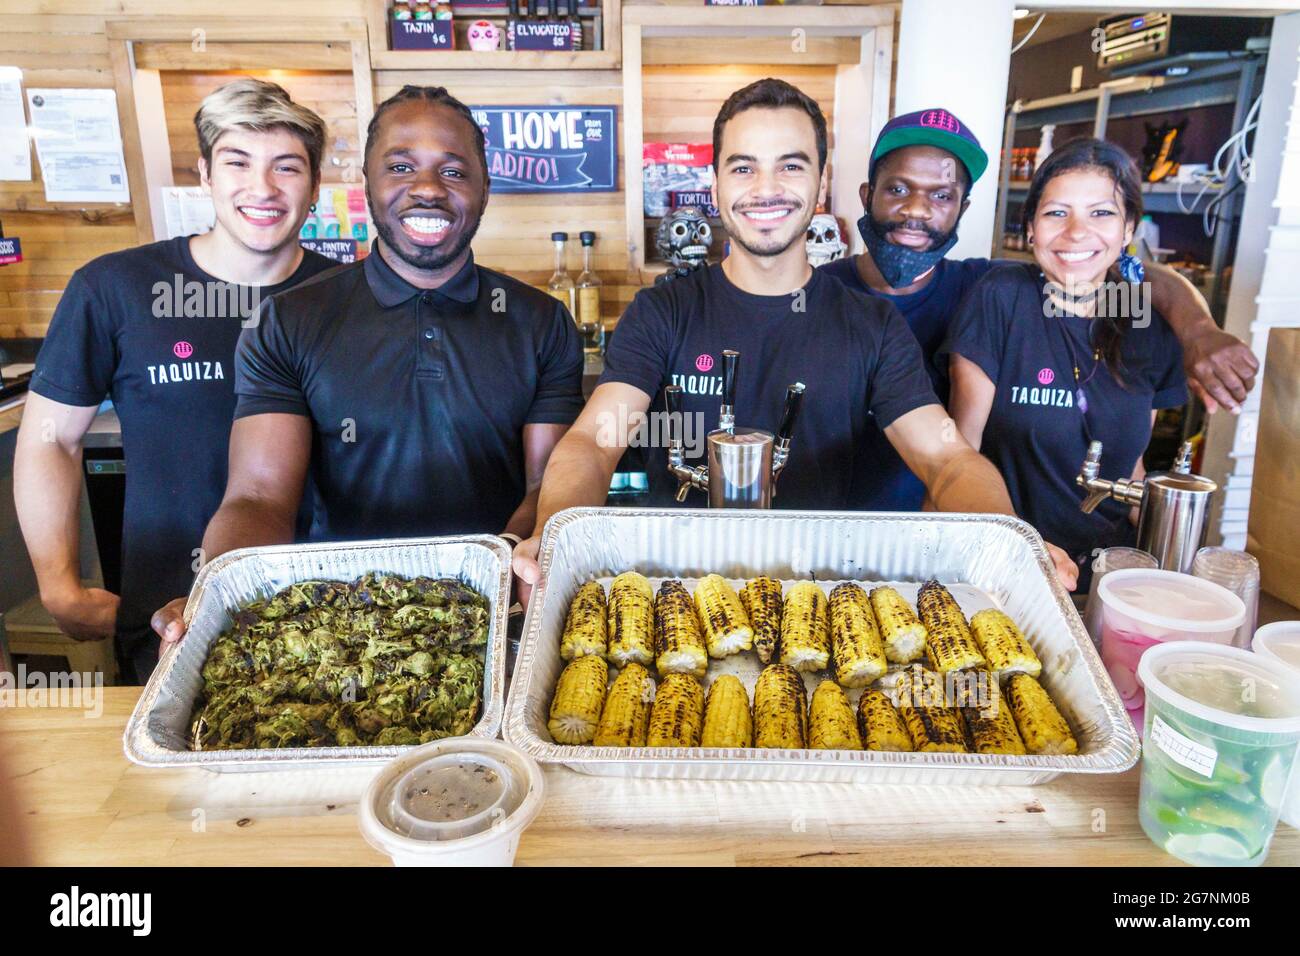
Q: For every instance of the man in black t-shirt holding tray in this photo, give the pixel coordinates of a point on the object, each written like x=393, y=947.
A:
x=154, y=328
x=855, y=353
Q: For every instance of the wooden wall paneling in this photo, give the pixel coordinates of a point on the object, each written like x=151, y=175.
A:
x=633, y=137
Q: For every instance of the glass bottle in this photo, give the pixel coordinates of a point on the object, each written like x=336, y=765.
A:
x=561, y=285
x=588, y=286
x=562, y=8
x=402, y=10
x=422, y=10
x=512, y=8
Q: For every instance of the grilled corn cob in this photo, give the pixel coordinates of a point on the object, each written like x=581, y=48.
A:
x=932, y=725
x=831, y=725
x=584, y=628
x=855, y=640
x=626, y=716
x=879, y=723
x=723, y=616
x=631, y=620
x=677, y=714
x=805, y=628
x=949, y=645
x=900, y=629
x=780, y=708
x=727, y=720
x=1041, y=725
x=990, y=728
x=679, y=642
x=762, y=599
x=578, y=701
x=1004, y=646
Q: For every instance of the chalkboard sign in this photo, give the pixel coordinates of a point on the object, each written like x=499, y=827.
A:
x=422, y=35
x=543, y=35
x=340, y=250
x=549, y=149
x=11, y=251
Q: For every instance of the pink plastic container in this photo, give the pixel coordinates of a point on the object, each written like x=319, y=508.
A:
x=1141, y=607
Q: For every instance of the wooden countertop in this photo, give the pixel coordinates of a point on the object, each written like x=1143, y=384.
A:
x=82, y=803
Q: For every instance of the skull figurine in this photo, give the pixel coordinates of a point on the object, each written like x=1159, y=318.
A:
x=824, y=242
x=484, y=35
x=683, y=240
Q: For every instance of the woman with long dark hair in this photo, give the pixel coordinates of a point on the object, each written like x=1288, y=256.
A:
x=1045, y=357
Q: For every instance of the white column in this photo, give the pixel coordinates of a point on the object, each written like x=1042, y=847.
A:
x=958, y=56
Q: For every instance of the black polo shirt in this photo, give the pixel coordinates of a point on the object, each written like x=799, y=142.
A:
x=417, y=398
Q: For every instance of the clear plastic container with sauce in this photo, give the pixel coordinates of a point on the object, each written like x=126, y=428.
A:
x=456, y=802
x=1220, y=738
x=1141, y=607
x=1281, y=642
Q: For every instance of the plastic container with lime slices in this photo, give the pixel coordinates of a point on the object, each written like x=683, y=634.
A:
x=1281, y=642
x=1142, y=607
x=1222, y=729
x=463, y=801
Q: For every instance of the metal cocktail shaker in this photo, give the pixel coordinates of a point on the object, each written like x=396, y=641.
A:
x=1172, y=506
x=743, y=463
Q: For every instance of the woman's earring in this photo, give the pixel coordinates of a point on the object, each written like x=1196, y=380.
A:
x=1131, y=268
x=312, y=208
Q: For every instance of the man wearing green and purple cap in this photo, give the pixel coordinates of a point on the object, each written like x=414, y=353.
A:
x=918, y=187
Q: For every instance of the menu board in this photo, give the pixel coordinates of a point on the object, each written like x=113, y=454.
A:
x=549, y=149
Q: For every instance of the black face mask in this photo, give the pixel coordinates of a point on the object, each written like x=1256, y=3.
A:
x=899, y=265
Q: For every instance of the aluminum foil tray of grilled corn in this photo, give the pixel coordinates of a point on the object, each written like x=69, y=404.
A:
x=162, y=729
x=817, y=646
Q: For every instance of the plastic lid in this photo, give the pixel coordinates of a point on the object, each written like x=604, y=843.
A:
x=1279, y=641
x=1205, y=680
x=587, y=237
x=453, y=794
x=559, y=237
x=1168, y=599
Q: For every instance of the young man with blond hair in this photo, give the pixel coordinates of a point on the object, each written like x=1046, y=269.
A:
x=154, y=328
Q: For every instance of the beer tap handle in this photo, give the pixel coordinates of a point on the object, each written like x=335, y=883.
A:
x=727, y=415
x=793, y=402
x=673, y=406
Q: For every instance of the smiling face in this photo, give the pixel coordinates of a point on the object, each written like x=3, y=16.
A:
x=918, y=197
x=425, y=184
x=768, y=185
x=1079, y=228
x=262, y=186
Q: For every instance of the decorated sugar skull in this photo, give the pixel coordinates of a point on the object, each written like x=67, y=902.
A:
x=824, y=243
x=484, y=35
x=684, y=238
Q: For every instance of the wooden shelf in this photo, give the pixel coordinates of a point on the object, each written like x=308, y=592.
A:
x=494, y=60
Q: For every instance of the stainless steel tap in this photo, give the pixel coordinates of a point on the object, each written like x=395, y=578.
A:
x=1172, y=505
x=743, y=463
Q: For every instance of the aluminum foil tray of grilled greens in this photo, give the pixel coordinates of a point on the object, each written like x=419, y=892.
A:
x=284, y=641
x=985, y=561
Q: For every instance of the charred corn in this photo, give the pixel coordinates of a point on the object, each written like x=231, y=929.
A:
x=780, y=708
x=723, y=617
x=762, y=599
x=900, y=628
x=1041, y=725
x=880, y=725
x=727, y=721
x=679, y=642
x=626, y=717
x=949, y=645
x=631, y=620
x=584, y=628
x=1003, y=644
x=931, y=723
x=990, y=728
x=831, y=725
x=855, y=639
x=578, y=701
x=677, y=714
x=805, y=628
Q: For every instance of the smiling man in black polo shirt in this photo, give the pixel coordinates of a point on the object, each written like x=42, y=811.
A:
x=424, y=392
x=860, y=362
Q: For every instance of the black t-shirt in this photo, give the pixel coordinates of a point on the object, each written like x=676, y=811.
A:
x=150, y=329
x=1038, y=432
x=928, y=312
x=417, y=398
x=854, y=354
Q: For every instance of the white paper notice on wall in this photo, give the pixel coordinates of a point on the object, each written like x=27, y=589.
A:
x=15, y=152
x=187, y=210
x=79, y=145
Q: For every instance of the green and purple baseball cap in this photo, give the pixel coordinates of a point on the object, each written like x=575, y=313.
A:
x=932, y=127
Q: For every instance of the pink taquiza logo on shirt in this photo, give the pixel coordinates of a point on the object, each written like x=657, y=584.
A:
x=704, y=362
x=183, y=350
x=1046, y=376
